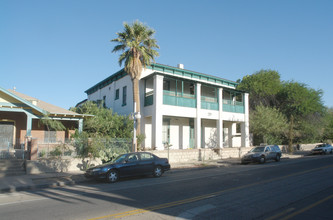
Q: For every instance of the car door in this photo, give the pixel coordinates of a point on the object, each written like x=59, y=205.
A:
x=146, y=163
x=131, y=166
x=269, y=153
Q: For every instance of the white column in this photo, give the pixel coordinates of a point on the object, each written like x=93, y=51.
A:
x=220, y=120
x=157, y=119
x=232, y=132
x=197, y=121
x=245, y=125
x=80, y=125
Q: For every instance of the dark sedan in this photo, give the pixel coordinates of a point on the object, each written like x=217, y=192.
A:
x=131, y=164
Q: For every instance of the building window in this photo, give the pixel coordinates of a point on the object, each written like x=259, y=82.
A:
x=124, y=95
x=117, y=94
x=50, y=136
x=238, y=128
x=104, y=100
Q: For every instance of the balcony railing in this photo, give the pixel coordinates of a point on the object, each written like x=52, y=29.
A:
x=184, y=100
x=233, y=106
x=209, y=103
x=188, y=100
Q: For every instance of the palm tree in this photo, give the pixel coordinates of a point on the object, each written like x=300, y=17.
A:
x=137, y=45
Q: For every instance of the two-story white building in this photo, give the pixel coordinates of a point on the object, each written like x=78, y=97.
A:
x=184, y=108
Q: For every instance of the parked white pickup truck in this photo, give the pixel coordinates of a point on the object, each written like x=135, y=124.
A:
x=322, y=149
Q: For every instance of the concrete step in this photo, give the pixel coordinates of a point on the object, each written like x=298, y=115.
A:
x=11, y=167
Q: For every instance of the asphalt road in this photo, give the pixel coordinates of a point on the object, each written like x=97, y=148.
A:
x=290, y=189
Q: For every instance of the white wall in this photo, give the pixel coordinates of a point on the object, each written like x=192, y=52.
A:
x=148, y=132
x=110, y=91
x=209, y=136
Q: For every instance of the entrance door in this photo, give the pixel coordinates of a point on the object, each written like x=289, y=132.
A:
x=6, y=134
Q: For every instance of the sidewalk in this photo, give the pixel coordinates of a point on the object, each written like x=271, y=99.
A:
x=48, y=180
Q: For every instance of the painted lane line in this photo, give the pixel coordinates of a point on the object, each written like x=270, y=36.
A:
x=307, y=208
x=191, y=213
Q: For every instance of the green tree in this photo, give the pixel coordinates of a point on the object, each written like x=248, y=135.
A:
x=262, y=86
x=137, y=45
x=328, y=129
x=105, y=123
x=104, y=135
x=268, y=124
x=51, y=124
x=304, y=109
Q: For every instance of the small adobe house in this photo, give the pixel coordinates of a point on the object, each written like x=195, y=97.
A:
x=20, y=124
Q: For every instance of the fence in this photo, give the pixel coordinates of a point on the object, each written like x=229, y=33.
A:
x=10, y=148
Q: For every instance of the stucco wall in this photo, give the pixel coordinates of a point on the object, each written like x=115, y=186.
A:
x=110, y=90
x=50, y=165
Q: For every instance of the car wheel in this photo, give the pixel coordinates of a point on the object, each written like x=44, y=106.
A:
x=262, y=160
x=331, y=152
x=158, y=171
x=112, y=176
x=277, y=159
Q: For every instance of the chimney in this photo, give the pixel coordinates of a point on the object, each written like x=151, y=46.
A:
x=34, y=102
x=181, y=66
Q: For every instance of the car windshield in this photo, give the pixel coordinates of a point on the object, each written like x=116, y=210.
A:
x=258, y=149
x=320, y=146
x=119, y=159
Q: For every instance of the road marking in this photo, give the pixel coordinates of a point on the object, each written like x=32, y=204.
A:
x=308, y=207
x=191, y=213
x=31, y=200
x=202, y=197
x=280, y=214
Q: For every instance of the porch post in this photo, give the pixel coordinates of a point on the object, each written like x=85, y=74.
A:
x=157, y=119
x=245, y=125
x=80, y=125
x=29, y=125
x=197, y=122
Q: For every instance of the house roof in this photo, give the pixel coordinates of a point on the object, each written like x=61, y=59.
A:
x=38, y=106
x=167, y=70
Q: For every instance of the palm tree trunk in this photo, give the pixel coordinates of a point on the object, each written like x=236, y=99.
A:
x=136, y=99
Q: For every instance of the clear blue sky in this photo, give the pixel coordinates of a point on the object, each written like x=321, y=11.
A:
x=55, y=50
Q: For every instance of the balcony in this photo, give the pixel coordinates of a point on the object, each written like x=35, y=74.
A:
x=187, y=100
x=233, y=106
x=184, y=100
x=209, y=103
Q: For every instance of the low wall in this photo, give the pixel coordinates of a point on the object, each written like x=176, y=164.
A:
x=179, y=156
x=50, y=165
x=68, y=164
x=175, y=156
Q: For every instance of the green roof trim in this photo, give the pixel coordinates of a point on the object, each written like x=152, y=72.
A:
x=114, y=77
x=191, y=74
x=166, y=69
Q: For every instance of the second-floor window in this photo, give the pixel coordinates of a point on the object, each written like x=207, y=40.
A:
x=124, y=95
x=104, y=100
x=116, y=95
